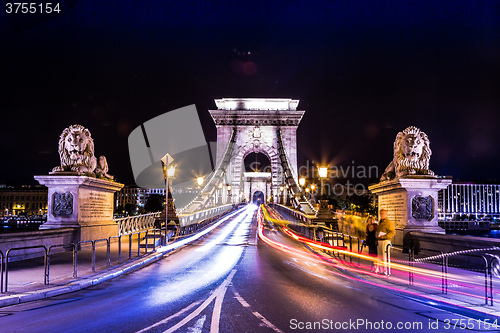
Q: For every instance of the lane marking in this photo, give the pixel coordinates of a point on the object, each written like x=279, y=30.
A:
x=267, y=322
x=240, y=299
x=255, y=313
x=164, y=321
x=202, y=307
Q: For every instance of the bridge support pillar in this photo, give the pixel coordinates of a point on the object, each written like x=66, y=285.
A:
x=411, y=203
x=81, y=202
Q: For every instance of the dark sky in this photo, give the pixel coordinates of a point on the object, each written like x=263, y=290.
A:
x=363, y=70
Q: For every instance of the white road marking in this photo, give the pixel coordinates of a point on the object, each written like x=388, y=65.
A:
x=164, y=321
x=255, y=313
x=220, y=290
x=240, y=299
x=266, y=322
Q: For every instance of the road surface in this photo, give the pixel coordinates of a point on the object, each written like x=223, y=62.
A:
x=230, y=281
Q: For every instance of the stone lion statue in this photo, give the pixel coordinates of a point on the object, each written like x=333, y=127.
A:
x=412, y=153
x=76, y=151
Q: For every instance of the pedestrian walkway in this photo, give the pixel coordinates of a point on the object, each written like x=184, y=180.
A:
x=25, y=279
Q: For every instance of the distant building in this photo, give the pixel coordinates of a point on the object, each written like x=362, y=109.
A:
x=128, y=195
x=23, y=200
x=469, y=200
x=138, y=196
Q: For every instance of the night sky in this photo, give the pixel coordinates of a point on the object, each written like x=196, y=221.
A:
x=363, y=71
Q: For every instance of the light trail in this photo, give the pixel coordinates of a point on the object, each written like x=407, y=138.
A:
x=432, y=279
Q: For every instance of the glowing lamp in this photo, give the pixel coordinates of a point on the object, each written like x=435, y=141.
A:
x=200, y=181
x=323, y=171
x=171, y=171
x=302, y=181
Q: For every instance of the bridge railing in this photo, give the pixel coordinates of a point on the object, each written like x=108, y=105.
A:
x=199, y=216
x=135, y=223
x=293, y=215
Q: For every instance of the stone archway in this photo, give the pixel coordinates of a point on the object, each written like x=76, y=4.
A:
x=258, y=198
x=256, y=123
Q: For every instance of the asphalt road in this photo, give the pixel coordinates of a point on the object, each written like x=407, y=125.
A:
x=229, y=281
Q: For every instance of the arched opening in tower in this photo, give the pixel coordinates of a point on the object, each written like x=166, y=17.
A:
x=257, y=162
x=258, y=198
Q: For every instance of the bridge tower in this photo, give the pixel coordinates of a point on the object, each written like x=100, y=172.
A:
x=262, y=125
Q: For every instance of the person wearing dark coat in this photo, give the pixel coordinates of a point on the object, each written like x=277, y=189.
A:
x=371, y=236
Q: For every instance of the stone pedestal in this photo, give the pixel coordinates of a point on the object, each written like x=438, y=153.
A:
x=81, y=202
x=411, y=203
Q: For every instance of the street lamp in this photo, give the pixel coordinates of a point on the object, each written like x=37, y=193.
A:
x=200, y=181
x=302, y=181
x=171, y=172
x=282, y=189
x=166, y=161
x=229, y=193
x=323, y=172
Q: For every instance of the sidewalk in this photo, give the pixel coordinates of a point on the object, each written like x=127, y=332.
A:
x=26, y=278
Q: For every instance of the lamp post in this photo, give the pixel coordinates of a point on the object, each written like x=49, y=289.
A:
x=323, y=215
x=166, y=161
x=229, y=199
x=302, y=182
x=282, y=194
x=323, y=172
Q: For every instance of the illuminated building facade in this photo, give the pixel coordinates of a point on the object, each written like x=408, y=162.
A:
x=23, y=200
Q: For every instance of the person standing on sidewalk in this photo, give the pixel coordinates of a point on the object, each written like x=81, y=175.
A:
x=385, y=232
x=371, y=240
x=371, y=235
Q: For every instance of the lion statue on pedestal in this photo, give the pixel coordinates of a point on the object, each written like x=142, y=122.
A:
x=412, y=153
x=76, y=151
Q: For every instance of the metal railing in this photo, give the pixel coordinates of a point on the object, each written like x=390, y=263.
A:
x=488, y=259
x=73, y=247
x=25, y=248
x=130, y=224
